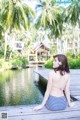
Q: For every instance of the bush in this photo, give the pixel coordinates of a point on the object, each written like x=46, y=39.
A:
x=49, y=63
x=4, y=64
x=16, y=63
x=2, y=51
x=73, y=63
x=16, y=55
x=16, y=60
x=8, y=52
x=24, y=61
x=1, y=63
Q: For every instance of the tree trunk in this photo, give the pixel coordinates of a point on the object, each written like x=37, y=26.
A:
x=5, y=49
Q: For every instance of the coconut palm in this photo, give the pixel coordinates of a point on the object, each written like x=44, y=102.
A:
x=1, y=31
x=72, y=13
x=14, y=14
x=50, y=16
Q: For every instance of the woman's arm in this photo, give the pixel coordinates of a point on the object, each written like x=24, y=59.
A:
x=67, y=91
x=48, y=89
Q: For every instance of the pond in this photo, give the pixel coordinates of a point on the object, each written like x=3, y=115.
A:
x=17, y=87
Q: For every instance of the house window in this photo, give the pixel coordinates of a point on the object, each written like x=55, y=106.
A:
x=76, y=44
x=19, y=45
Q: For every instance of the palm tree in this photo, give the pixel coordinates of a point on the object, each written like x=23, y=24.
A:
x=72, y=13
x=1, y=31
x=50, y=17
x=15, y=14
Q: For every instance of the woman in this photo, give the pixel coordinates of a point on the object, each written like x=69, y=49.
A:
x=58, y=81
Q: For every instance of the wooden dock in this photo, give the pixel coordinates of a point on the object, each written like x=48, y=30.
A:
x=74, y=83
x=25, y=112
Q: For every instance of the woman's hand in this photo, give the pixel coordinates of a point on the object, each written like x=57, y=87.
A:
x=37, y=107
x=72, y=104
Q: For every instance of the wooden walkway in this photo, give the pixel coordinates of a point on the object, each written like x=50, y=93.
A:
x=74, y=83
x=25, y=112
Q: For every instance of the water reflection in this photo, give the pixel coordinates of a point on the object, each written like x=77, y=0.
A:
x=18, y=88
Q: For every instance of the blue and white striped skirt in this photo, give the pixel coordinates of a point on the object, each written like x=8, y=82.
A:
x=56, y=103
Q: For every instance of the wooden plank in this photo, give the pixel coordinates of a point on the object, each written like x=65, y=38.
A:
x=24, y=118
x=49, y=116
x=26, y=113
x=28, y=109
x=76, y=87
x=74, y=83
x=77, y=97
x=75, y=94
x=45, y=72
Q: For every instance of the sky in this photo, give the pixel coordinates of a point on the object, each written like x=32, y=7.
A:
x=31, y=3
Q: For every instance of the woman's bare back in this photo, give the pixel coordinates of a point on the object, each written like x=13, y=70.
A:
x=58, y=83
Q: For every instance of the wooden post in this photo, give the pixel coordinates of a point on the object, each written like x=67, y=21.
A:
x=36, y=56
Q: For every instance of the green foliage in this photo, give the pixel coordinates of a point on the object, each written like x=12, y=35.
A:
x=16, y=62
x=15, y=15
x=53, y=49
x=1, y=30
x=24, y=61
x=16, y=55
x=50, y=17
x=8, y=52
x=70, y=55
x=1, y=63
x=4, y=64
x=74, y=61
x=72, y=13
x=49, y=63
x=1, y=50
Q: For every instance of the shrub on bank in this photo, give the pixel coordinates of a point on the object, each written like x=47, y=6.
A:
x=4, y=64
x=24, y=62
x=1, y=63
x=18, y=62
x=13, y=63
x=49, y=63
x=73, y=63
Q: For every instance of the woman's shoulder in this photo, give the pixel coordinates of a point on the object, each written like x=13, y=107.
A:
x=51, y=72
x=67, y=74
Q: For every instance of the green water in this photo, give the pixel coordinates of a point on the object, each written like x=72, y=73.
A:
x=18, y=88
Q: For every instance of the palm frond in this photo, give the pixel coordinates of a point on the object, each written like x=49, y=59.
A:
x=72, y=14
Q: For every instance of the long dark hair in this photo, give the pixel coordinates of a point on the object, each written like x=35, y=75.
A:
x=63, y=67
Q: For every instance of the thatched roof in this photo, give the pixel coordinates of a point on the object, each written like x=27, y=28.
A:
x=41, y=46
